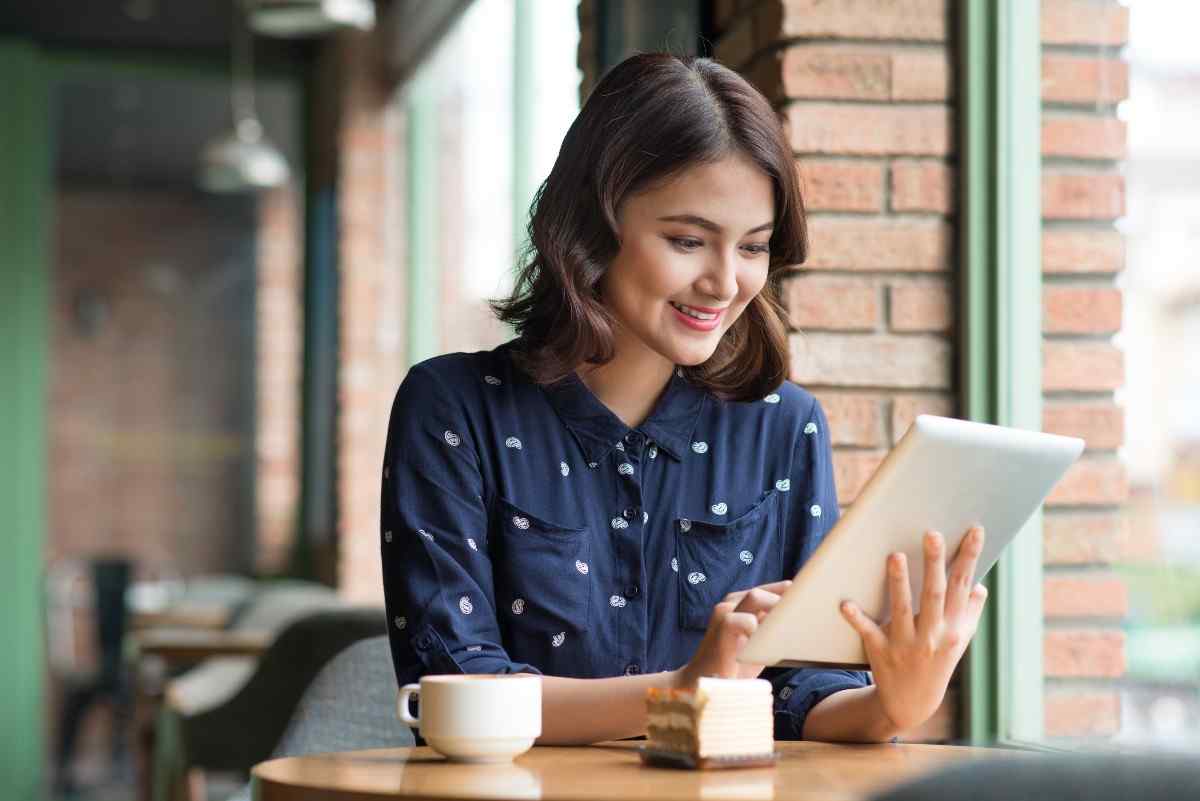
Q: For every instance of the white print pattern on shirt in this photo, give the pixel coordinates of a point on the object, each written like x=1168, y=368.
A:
x=619, y=523
x=621, y=447
x=471, y=544
x=387, y=536
x=645, y=517
x=653, y=451
x=685, y=524
x=564, y=469
x=625, y=469
x=465, y=606
x=452, y=439
x=401, y=623
x=425, y=534
x=513, y=442
x=474, y=648
x=593, y=465
x=783, y=484
x=581, y=567
x=518, y=606
x=746, y=557
x=719, y=508
x=697, y=578
x=772, y=398
x=815, y=511
x=617, y=602
x=674, y=564
x=491, y=379
x=521, y=522
x=558, y=639
x=811, y=428
x=785, y=693
x=700, y=447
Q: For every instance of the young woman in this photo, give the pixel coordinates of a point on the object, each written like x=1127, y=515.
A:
x=615, y=498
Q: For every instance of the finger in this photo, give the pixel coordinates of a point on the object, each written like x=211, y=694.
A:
x=902, y=625
x=735, y=631
x=776, y=587
x=873, y=637
x=757, y=600
x=933, y=593
x=962, y=572
x=975, y=603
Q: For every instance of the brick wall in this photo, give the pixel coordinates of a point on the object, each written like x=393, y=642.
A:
x=1086, y=527
x=867, y=90
x=369, y=147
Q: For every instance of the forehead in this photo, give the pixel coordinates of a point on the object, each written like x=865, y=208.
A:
x=732, y=192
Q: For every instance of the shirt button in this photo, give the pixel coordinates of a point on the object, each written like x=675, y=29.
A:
x=632, y=591
x=632, y=669
x=633, y=438
x=631, y=513
x=425, y=641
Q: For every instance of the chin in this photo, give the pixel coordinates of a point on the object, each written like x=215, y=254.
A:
x=690, y=354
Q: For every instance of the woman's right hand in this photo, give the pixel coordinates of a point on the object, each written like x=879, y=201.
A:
x=732, y=622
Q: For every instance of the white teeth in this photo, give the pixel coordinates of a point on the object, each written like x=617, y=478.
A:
x=690, y=312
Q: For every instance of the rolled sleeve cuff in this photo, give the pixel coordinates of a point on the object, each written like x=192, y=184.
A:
x=796, y=693
x=436, y=657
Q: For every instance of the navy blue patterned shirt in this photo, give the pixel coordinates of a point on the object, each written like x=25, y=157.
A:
x=527, y=528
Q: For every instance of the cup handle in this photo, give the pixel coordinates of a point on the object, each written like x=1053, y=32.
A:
x=406, y=692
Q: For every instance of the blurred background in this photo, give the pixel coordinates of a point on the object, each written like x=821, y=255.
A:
x=230, y=228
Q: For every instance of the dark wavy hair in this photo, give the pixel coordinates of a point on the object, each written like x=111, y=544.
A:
x=650, y=117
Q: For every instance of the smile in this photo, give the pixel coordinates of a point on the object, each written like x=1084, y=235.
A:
x=693, y=313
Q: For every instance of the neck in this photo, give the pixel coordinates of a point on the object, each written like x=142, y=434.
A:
x=630, y=384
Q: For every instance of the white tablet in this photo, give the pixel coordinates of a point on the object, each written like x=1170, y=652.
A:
x=945, y=475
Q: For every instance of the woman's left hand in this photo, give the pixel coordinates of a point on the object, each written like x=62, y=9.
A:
x=913, y=659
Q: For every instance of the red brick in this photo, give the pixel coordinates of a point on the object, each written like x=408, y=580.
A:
x=1081, y=22
x=1103, y=596
x=833, y=304
x=852, y=470
x=1083, y=137
x=1082, y=714
x=1084, y=80
x=909, y=245
x=854, y=420
x=871, y=360
x=828, y=185
x=1082, y=251
x=1084, y=653
x=1092, y=482
x=1101, y=425
x=923, y=186
x=1072, y=196
x=914, y=20
x=920, y=307
x=1077, y=538
x=843, y=72
x=869, y=130
x=1081, y=310
x=905, y=409
x=1081, y=366
x=921, y=75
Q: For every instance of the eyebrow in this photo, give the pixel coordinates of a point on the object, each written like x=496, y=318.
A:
x=709, y=225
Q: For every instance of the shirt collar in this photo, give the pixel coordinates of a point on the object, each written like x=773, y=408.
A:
x=598, y=430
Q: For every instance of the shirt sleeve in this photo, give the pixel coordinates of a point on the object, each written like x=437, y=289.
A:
x=813, y=512
x=437, y=576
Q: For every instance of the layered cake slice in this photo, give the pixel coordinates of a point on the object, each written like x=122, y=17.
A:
x=721, y=721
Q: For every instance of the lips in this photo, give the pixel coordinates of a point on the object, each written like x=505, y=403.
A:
x=700, y=313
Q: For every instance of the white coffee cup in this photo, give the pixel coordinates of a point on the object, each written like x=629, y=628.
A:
x=478, y=717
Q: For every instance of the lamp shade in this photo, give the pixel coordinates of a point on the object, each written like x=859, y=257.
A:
x=241, y=161
x=298, y=18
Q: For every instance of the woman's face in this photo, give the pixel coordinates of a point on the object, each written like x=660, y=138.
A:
x=693, y=252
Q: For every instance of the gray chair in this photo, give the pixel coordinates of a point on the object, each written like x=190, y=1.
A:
x=231, y=732
x=351, y=705
x=1037, y=776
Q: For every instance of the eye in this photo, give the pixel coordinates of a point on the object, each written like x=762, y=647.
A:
x=757, y=249
x=685, y=243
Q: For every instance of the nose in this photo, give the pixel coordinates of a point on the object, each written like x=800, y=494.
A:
x=719, y=280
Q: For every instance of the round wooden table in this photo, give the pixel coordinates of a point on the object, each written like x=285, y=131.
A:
x=608, y=772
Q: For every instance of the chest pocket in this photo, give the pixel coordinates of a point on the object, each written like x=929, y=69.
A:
x=716, y=559
x=542, y=573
